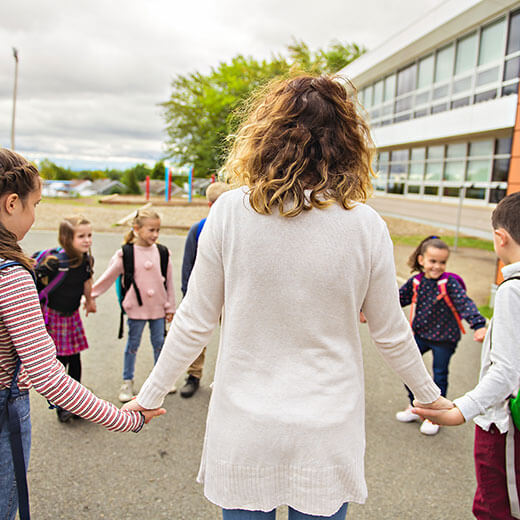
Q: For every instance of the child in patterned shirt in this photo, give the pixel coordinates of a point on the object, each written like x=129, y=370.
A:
x=440, y=302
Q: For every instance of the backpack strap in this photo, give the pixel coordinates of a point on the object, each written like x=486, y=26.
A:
x=128, y=271
x=415, y=284
x=199, y=228
x=164, y=254
x=443, y=295
x=15, y=435
x=507, y=280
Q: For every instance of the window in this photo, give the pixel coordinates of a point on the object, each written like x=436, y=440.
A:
x=497, y=195
x=486, y=96
x=417, y=164
x=431, y=190
x=479, y=170
x=389, y=87
x=367, y=98
x=461, y=85
x=466, y=54
x=488, y=76
x=503, y=146
x=476, y=193
x=444, y=64
x=512, y=69
x=414, y=189
x=435, y=152
x=434, y=167
x=451, y=192
x=500, y=170
x=513, y=40
x=406, y=79
x=378, y=93
x=454, y=171
x=425, y=72
x=492, y=42
x=481, y=148
x=456, y=150
x=462, y=102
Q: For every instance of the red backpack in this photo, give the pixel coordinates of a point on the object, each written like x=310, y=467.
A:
x=443, y=295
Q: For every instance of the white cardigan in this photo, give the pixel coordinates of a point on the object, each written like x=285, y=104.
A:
x=286, y=419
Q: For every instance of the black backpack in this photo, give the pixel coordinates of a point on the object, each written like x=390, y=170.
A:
x=126, y=280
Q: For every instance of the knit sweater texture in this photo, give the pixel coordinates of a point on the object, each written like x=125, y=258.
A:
x=286, y=418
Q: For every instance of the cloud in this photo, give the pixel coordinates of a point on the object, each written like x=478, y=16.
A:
x=92, y=73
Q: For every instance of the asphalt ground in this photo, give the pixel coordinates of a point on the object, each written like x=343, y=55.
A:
x=82, y=471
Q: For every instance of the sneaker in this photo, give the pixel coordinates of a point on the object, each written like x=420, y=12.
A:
x=64, y=415
x=428, y=428
x=173, y=389
x=407, y=415
x=190, y=387
x=127, y=391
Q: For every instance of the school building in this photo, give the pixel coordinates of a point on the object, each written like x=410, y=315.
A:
x=442, y=99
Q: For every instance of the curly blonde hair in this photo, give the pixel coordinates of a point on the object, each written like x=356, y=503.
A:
x=304, y=133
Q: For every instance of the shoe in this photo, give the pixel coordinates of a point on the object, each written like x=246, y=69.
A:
x=407, y=415
x=428, y=428
x=64, y=415
x=173, y=389
x=190, y=387
x=127, y=391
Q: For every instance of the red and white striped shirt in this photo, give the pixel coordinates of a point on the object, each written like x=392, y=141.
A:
x=23, y=333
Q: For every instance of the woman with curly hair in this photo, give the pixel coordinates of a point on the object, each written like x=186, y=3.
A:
x=289, y=258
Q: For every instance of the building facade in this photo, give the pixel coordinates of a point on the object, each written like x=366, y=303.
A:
x=442, y=100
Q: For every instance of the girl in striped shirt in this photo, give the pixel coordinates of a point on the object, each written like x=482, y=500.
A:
x=27, y=353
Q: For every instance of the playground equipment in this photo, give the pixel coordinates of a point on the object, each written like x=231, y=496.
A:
x=168, y=183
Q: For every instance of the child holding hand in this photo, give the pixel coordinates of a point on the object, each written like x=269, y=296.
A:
x=150, y=298
x=497, y=440
x=438, y=304
x=27, y=352
x=61, y=310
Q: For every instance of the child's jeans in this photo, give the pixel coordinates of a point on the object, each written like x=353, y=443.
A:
x=491, y=497
x=8, y=489
x=442, y=352
x=135, y=331
x=242, y=514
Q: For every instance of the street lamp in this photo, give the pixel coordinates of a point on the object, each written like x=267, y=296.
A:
x=15, y=54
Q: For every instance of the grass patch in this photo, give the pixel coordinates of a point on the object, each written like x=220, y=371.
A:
x=467, y=242
x=486, y=311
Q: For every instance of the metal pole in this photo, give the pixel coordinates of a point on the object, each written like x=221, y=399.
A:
x=459, y=215
x=15, y=54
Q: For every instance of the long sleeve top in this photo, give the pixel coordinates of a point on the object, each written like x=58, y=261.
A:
x=23, y=335
x=433, y=318
x=157, y=301
x=499, y=377
x=286, y=418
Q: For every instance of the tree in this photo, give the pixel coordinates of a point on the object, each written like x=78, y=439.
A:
x=200, y=113
x=158, y=170
x=130, y=180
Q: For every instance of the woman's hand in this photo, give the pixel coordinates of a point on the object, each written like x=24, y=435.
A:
x=134, y=406
x=452, y=417
x=439, y=404
x=480, y=334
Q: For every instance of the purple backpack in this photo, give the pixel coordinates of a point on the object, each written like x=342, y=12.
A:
x=42, y=270
x=444, y=276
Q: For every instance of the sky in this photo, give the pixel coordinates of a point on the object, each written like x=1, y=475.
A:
x=92, y=74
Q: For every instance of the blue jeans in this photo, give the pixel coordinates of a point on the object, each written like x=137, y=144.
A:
x=8, y=490
x=242, y=514
x=442, y=352
x=135, y=331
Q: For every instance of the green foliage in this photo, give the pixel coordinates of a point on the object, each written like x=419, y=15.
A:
x=486, y=311
x=200, y=113
x=471, y=242
x=131, y=181
x=49, y=170
x=158, y=170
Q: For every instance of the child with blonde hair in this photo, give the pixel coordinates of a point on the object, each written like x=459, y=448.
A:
x=27, y=352
x=61, y=308
x=149, y=294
